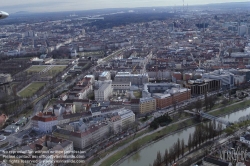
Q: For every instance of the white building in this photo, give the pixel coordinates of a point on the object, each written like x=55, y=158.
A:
x=135, y=79
x=121, y=85
x=127, y=117
x=116, y=123
x=103, y=89
x=226, y=77
x=83, y=138
x=44, y=122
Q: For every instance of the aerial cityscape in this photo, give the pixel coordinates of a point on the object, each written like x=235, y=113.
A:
x=126, y=86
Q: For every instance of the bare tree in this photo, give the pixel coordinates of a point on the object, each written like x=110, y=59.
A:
x=158, y=160
x=190, y=142
x=178, y=150
x=166, y=157
x=198, y=105
x=182, y=147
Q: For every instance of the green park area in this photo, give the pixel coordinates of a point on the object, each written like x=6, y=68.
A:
x=231, y=108
x=36, y=68
x=56, y=69
x=31, y=89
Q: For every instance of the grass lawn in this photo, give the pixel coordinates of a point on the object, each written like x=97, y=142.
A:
x=137, y=94
x=36, y=68
x=55, y=70
x=31, y=89
x=231, y=108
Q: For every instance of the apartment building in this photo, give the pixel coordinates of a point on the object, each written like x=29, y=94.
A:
x=121, y=85
x=103, y=89
x=81, y=90
x=83, y=137
x=116, y=123
x=127, y=117
x=135, y=79
x=147, y=105
x=172, y=96
x=44, y=121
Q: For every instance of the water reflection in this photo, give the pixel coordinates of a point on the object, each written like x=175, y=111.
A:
x=136, y=157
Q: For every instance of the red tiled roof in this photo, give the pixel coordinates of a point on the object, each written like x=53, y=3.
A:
x=44, y=117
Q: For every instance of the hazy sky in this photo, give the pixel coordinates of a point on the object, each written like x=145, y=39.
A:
x=12, y=6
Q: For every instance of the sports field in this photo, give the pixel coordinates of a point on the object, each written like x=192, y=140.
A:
x=31, y=89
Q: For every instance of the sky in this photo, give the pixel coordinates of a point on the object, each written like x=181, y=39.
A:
x=12, y=6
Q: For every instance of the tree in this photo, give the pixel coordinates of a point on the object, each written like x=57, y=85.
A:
x=229, y=94
x=166, y=157
x=224, y=102
x=211, y=101
x=182, y=147
x=190, y=142
x=174, y=104
x=158, y=160
x=198, y=105
x=175, y=149
x=206, y=100
x=171, y=155
x=178, y=149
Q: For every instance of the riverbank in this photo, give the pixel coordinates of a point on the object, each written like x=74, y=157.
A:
x=152, y=138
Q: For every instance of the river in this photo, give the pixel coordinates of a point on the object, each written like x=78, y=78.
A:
x=147, y=155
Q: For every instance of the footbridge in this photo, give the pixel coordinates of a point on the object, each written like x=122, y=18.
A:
x=208, y=116
x=217, y=119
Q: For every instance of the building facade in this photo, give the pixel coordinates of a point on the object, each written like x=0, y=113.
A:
x=201, y=86
x=135, y=79
x=147, y=105
x=174, y=96
x=83, y=139
x=103, y=90
x=121, y=85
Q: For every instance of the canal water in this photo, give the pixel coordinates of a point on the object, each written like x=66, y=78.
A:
x=147, y=155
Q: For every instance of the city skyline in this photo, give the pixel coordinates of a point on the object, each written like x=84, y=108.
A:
x=73, y=5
